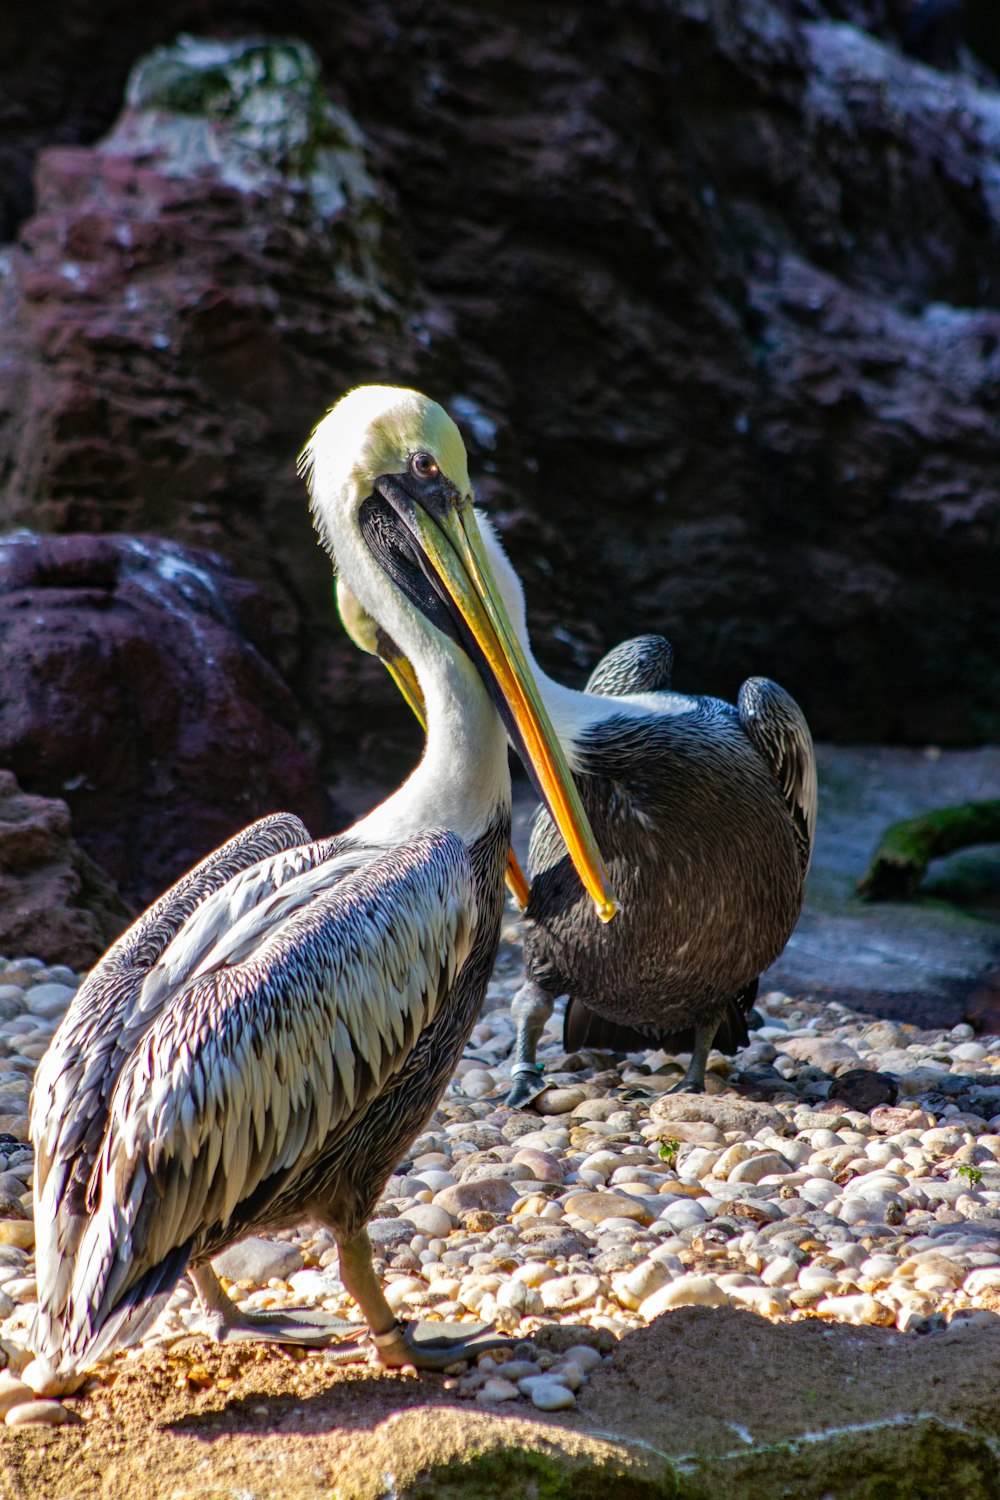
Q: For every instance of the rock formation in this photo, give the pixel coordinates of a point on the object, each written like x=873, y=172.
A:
x=136, y=687
x=711, y=286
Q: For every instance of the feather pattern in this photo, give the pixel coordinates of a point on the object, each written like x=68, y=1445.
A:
x=705, y=813
x=253, y=1061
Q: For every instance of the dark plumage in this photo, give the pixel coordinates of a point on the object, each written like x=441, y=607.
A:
x=705, y=814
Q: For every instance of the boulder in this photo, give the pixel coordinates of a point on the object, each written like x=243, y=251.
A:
x=137, y=687
x=710, y=288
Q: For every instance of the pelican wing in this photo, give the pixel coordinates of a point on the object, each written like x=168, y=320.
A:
x=253, y=1067
x=643, y=664
x=777, y=728
x=108, y=1014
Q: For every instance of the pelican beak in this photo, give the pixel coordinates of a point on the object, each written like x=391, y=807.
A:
x=456, y=563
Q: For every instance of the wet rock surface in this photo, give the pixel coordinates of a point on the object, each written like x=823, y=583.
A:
x=931, y=961
x=138, y=686
x=768, y=329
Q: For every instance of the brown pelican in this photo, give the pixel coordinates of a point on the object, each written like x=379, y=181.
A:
x=705, y=812
x=264, y=1044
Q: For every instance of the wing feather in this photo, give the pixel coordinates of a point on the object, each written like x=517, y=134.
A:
x=777, y=728
x=252, y=1068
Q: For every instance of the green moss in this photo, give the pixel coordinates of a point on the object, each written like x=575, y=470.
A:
x=919, y=1460
x=905, y=850
x=518, y=1473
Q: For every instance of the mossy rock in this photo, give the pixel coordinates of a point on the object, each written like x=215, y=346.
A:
x=471, y=1455
x=912, y=1459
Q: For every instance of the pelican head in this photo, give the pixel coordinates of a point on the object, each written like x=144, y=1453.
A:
x=389, y=485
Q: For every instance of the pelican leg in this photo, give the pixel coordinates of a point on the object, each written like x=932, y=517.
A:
x=225, y=1323
x=693, y=1081
x=530, y=1010
x=427, y=1345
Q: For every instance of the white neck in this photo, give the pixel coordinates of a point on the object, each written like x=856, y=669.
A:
x=463, y=776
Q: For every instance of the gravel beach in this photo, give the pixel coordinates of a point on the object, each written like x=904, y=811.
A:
x=840, y=1168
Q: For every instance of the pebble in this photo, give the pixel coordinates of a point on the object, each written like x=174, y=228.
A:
x=492, y=1194
x=258, y=1260
x=605, y=1211
x=13, y=1392
x=599, y=1207
x=548, y=1394
x=20, y=1233
x=684, y=1291
x=430, y=1218
x=40, y=1413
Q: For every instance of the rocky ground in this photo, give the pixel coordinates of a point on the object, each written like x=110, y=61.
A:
x=793, y=1190
x=793, y=1279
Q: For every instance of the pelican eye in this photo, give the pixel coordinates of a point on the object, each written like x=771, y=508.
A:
x=423, y=466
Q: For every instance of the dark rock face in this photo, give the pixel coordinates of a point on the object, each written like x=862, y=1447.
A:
x=135, y=686
x=712, y=289
x=55, y=903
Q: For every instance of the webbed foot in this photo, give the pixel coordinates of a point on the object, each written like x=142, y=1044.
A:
x=290, y=1325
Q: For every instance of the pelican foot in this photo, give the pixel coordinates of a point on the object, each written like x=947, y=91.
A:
x=526, y=1085
x=437, y=1346
x=290, y=1325
x=688, y=1086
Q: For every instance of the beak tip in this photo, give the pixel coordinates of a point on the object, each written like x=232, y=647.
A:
x=607, y=908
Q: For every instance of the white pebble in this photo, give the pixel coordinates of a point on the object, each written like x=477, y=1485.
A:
x=551, y=1395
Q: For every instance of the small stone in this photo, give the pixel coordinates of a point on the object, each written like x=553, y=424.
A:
x=519, y=1297
x=42, y=1413
x=559, y=1101
x=497, y=1389
x=20, y=1233
x=566, y=1293
x=858, y=1308
x=49, y=999
x=862, y=1089
x=477, y=1083
x=597, y=1207
x=724, y=1111
x=543, y=1165
x=765, y=1164
x=551, y=1395
x=568, y=1373
x=13, y=1392
x=398, y=1292
x=684, y=1291
x=633, y=1287
x=387, y=1234
x=258, y=1260
x=492, y=1194
x=43, y=1380
x=781, y=1271
x=430, y=1218
x=892, y=1120
x=765, y=1300
x=819, y=1051
x=969, y=1052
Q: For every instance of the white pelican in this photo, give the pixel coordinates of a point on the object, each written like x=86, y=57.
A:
x=706, y=814
x=264, y=1044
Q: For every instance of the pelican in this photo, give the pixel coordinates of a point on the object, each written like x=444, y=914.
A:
x=705, y=812
x=267, y=1040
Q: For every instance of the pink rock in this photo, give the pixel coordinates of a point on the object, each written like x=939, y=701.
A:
x=137, y=685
